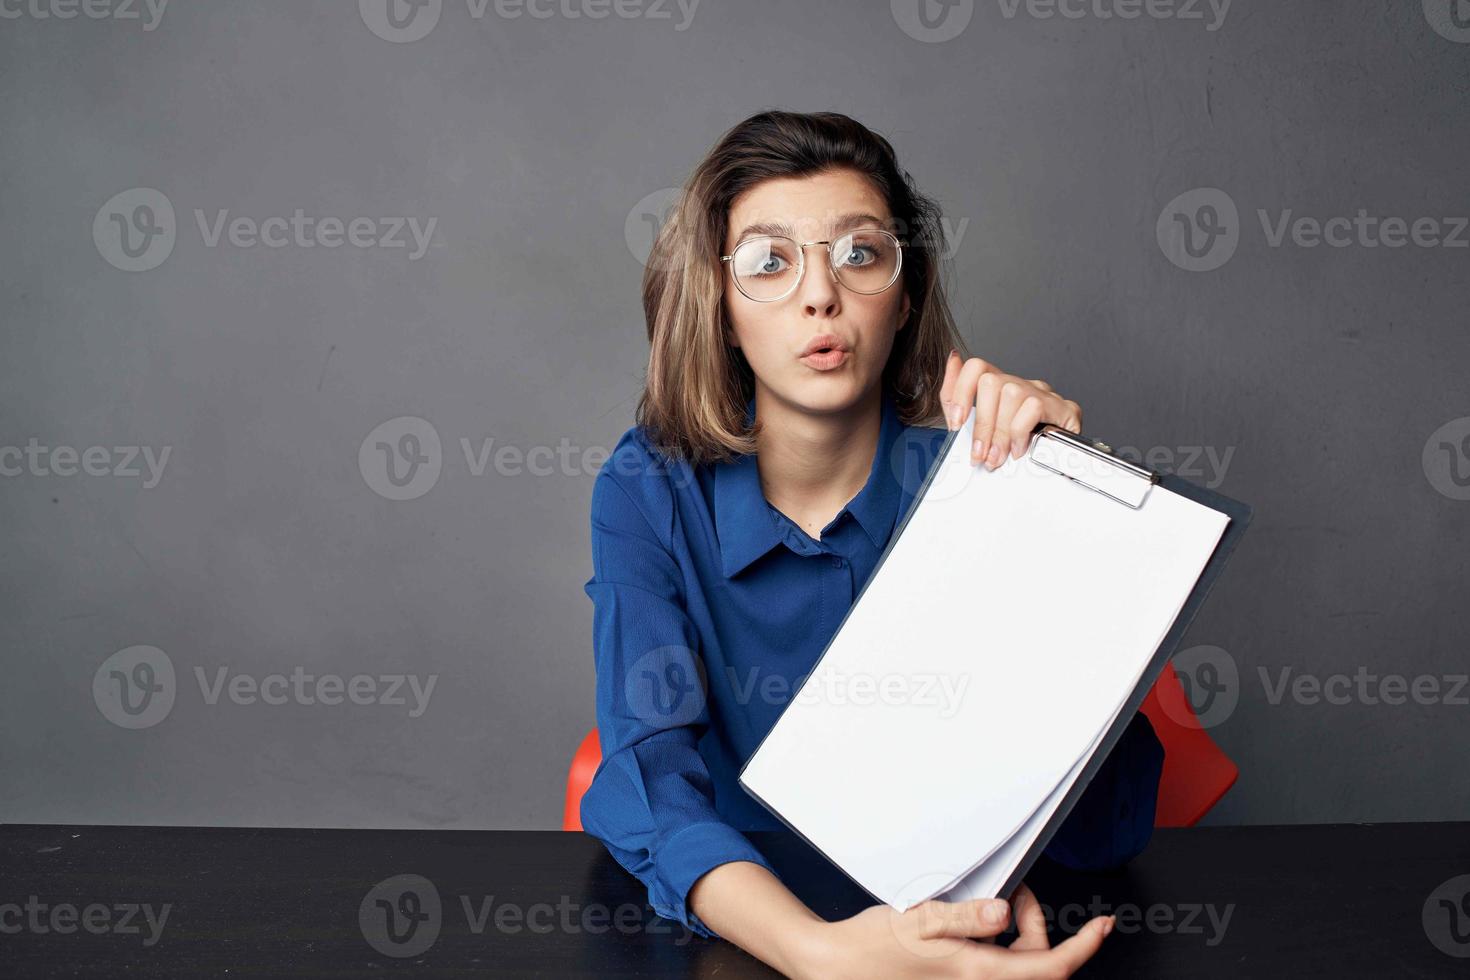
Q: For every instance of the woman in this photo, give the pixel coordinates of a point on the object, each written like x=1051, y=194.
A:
x=802, y=355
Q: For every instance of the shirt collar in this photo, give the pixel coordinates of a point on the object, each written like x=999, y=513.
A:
x=746, y=523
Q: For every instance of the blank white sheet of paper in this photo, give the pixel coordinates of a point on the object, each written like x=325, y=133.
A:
x=976, y=672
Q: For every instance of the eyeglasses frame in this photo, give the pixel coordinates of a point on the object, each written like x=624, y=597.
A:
x=801, y=248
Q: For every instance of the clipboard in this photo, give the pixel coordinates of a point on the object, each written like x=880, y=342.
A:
x=1086, y=467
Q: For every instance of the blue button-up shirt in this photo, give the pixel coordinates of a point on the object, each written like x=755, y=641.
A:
x=709, y=607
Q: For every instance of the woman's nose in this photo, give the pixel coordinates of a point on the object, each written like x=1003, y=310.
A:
x=819, y=289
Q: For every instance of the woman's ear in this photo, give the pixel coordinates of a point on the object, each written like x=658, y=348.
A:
x=903, y=311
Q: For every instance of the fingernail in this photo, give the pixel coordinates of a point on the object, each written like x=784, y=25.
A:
x=993, y=458
x=952, y=413
x=977, y=451
x=952, y=352
x=1107, y=926
x=996, y=912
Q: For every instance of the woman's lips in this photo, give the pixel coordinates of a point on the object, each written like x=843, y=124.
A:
x=825, y=360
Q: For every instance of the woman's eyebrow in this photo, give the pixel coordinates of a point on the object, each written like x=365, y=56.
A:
x=842, y=223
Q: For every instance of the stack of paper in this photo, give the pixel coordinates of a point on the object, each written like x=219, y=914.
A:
x=976, y=674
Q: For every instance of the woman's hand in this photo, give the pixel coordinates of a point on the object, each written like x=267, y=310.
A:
x=938, y=939
x=1006, y=408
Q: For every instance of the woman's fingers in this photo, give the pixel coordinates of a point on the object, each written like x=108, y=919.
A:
x=1071, y=416
x=962, y=920
x=1030, y=921
x=957, y=392
x=1024, y=421
x=1007, y=408
x=947, y=399
x=1066, y=959
x=987, y=405
x=1012, y=394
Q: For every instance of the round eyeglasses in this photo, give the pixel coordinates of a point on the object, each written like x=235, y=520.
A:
x=768, y=268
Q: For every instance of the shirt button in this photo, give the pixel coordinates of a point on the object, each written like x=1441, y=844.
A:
x=838, y=562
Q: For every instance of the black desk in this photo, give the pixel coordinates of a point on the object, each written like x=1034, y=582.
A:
x=1329, y=901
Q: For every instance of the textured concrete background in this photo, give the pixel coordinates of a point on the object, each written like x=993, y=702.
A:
x=1325, y=384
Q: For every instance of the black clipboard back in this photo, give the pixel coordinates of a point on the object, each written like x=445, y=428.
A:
x=1094, y=457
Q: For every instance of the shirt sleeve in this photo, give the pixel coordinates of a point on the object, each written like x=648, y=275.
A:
x=651, y=801
x=1114, y=818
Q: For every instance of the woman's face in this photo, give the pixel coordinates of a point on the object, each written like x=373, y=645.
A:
x=776, y=336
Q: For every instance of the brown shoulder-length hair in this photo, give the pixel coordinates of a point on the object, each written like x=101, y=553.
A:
x=697, y=384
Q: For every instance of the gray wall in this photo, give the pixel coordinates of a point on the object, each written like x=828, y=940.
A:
x=1320, y=378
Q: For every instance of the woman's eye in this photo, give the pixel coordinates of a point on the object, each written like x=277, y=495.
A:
x=769, y=264
x=859, y=256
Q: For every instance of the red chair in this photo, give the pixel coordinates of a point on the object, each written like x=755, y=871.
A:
x=1196, y=773
x=584, y=764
